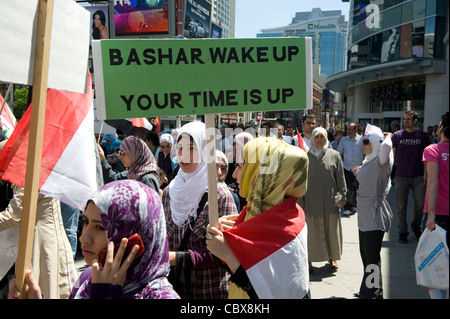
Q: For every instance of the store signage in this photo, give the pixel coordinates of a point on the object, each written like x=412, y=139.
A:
x=386, y=93
x=319, y=26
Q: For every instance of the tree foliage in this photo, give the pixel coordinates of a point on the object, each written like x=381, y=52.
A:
x=20, y=102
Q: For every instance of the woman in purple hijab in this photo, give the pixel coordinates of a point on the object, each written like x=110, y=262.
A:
x=138, y=160
x=118, y=210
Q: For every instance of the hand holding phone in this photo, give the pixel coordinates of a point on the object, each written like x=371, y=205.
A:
x=133, y=240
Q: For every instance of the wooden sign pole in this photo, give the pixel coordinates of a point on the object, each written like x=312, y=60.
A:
x=39, y=97
x=211, y=170
x=4, y=100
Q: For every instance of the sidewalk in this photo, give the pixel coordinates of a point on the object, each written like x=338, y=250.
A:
x=397, y=264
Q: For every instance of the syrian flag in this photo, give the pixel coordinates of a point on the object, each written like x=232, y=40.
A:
x=272, y=248
x=140, y=122
x=69, y=164
x=300, y=141
x=131, y=126
x=7, y=118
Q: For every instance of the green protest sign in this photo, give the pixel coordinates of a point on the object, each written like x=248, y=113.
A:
x=143, y=78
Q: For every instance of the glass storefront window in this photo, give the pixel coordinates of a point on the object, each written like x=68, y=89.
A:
x=431, y=7
x=364, y=122
x=377, y=122
x=387, y=123
x=430, y=26
x=436, y=7
x=421, y=38
x=391, y=3
x=391, y=17
x=397, y=96
x=418, y=31
x=391, y=14
x=418, y=9
x=441, y=30
x=442, y=7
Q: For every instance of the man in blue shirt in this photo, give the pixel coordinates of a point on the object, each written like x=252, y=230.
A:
x=352, y=155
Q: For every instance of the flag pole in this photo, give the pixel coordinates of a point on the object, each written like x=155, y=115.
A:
x=211, y=169
x=100, y=133
x=4, y=100
x=39, y=97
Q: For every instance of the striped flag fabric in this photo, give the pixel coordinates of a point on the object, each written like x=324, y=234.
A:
x=7, y=118
x=68, y=168
x=300, y=141
x=140, y=122
x=272, y=248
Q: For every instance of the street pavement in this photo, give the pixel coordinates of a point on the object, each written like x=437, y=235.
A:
x=397, y=264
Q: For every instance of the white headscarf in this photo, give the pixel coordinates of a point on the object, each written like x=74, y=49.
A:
x=318, y=151
x=187, y=189
x=221, y=155
x=375, y=135
x=166, y=138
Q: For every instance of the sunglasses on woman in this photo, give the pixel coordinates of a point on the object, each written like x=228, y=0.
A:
x=366, y=142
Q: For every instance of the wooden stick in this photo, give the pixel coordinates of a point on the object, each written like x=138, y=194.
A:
x=4, y=100
x=39, y=97
x=211, y=170
x=100, y=133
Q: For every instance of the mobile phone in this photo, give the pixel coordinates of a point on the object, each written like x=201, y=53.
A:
x=133, y=240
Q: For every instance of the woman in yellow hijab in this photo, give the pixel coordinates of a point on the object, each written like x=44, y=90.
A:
x=266, y=249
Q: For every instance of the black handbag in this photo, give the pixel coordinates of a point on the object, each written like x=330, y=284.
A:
x=351, y=193
x=182, y=275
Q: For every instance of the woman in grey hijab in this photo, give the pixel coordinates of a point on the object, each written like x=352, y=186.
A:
x=322, y=201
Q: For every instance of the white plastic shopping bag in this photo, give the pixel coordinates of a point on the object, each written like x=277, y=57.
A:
x=9, y=245
x=431, y=259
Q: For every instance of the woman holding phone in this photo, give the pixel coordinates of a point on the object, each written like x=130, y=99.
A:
x=117, y=211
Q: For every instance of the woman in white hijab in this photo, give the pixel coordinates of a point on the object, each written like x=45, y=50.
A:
x=374, y=212
x=187, y=213
x=166, y=162
x=325, y=180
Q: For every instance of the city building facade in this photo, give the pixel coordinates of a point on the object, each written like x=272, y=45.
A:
x=223, y=14
x=328, y=32
x=397, y=60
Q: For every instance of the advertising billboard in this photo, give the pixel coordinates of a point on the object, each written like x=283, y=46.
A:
x=197, y=19
x=141, y=17
x=99, y=23
x=216, y=31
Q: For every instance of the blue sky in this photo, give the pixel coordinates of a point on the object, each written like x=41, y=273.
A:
x=254, y=15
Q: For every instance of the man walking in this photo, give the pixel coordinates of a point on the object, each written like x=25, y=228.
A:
x=352, y=155
x=408, y=145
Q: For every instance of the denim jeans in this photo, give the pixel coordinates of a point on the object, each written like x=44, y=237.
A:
x=402, y=186
x=70, y=217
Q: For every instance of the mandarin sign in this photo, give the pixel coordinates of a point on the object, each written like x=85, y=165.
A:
x=319, y=26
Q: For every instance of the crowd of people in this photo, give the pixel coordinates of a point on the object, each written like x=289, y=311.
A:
x=279, y=193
